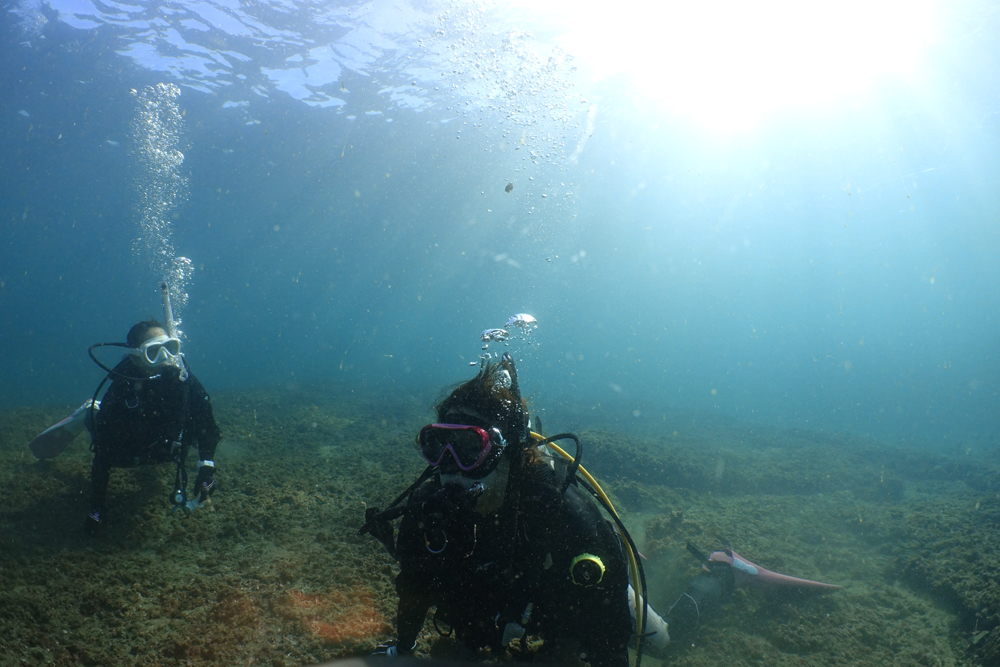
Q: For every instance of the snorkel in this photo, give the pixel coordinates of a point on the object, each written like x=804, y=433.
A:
x=176, y=360
x=507, y=364
x=168, y=312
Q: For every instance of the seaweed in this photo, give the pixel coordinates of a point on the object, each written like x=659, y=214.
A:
x=274, y=572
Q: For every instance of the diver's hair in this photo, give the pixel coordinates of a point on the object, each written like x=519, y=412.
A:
x=137, y=334
x=492, y=402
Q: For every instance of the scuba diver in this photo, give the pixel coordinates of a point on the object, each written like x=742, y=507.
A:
x=499, y=537
x=153, y=412
x=502, y=534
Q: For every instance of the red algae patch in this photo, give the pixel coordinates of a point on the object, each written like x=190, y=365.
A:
x=300, y=600
x=342, y=617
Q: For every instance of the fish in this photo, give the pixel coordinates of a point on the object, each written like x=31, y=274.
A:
x=510, y=186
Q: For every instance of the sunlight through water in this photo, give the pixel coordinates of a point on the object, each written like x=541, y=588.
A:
x=728, y=64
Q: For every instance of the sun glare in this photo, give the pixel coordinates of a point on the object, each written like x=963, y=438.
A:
x=728, y=64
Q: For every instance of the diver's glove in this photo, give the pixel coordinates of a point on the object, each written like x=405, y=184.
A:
x=516, y=630
x=192, y=505
x=512, y=631
x=204, y=486
x=391, y=651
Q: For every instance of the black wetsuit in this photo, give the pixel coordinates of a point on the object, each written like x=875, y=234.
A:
x=483, y=577
x=140, y=420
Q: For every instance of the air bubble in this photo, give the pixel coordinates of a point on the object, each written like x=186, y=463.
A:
x=162, y=186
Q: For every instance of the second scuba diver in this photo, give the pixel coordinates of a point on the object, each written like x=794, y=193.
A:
x=153, y=412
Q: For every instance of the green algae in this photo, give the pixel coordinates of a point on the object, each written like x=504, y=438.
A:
x=274, y=568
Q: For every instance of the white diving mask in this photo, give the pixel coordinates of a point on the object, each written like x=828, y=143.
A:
x=158, y=351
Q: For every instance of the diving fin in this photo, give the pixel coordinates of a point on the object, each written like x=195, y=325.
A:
x=750, y=574
x=51, y=442
x=722, y=572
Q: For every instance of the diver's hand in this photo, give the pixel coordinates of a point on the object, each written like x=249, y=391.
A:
x=512, y=631
x=391, y=651
x=205, y=484
x=194, y=504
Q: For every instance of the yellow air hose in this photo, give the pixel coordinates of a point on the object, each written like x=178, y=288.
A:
x=633, y=566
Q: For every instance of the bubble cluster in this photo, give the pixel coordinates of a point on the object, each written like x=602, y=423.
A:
x=506, y=79
x=518, y=330
x=162, y=187
x=178, y=278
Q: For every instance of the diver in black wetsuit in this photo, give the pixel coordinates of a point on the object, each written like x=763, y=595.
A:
x=154, y=410
x=506, y=543
x=493, y=538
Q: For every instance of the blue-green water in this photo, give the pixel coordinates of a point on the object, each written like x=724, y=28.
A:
x=830, y=267
x=760, y=247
